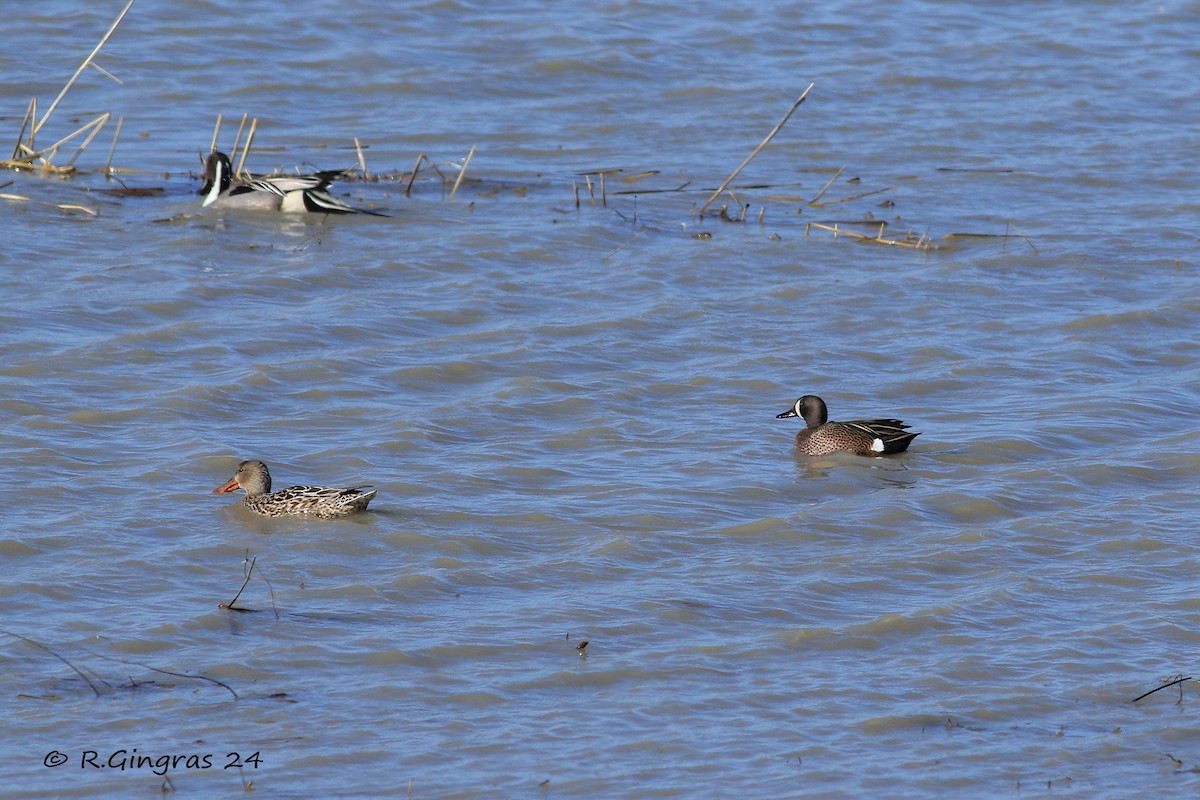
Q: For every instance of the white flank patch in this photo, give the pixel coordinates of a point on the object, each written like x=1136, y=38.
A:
x=293, y=202
x=877, y=446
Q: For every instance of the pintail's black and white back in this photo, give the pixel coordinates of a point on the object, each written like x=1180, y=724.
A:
x=865, y=437
x=287, y=193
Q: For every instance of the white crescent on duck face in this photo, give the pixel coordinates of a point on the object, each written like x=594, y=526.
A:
x=866, y=437
x=322, y=502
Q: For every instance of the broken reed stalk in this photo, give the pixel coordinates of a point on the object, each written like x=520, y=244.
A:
x=47, y=154
x=923, y=243
x=1018, y=233
x=362, y=162
x=825, y=188
x=99, y=123
x=462, y=172
x=851, y=198
x=212, y=148
x=237, y=140
x=113, y=148
x=30, y=115
x=246, y=148
x=778, y=127
x=416, y=168
x=230, y=606
x=82, y=67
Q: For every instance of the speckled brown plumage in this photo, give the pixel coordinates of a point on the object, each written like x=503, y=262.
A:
x=865, y=437
x=306, y=501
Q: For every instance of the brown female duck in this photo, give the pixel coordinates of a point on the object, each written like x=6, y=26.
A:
x=307, y=501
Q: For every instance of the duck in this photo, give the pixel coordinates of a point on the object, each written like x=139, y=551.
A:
x=287, y=193
x=864, y=437
x=321, y=502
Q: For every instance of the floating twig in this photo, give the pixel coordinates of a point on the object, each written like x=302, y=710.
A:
x=91, y=212
x=124, y=661
x=924, y=242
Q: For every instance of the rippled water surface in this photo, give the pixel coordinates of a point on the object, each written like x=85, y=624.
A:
x=566, y=395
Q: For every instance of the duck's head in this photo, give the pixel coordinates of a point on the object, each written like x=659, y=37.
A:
x=218, y=176
x=811, y=408
x=252, y=476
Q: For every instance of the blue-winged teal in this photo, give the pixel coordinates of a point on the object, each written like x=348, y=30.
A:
x=289, y=193
x=309, y=501
x=866, y=437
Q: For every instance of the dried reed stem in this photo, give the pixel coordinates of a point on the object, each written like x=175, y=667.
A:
x=462, y=172
x=362, y=162
x=851, y=198
x=30, y=115
x=212, y=148
x=246, y=148
x=922, y=243
x=231, y=605
x=416, y=168
x=778, y=127
x=82, y=67
x=237, y=139
x=825, y=188
x=98, y=124
x=93, y=127
x=113, y=148
x=1018, y=233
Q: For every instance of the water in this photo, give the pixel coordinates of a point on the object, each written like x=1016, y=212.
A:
x=569, y=412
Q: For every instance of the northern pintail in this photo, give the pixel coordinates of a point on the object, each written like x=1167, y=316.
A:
x=289, y=193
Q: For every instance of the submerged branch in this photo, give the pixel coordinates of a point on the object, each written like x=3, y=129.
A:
x=1160, y=688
